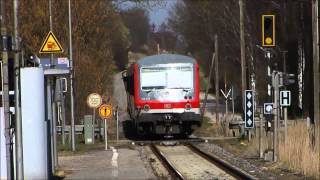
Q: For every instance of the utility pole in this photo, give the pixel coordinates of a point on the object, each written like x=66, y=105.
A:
x=18, y=128
x=216, y=49
x=208, y=86
x=5, y=89
x=242, y=49
x=52, y=105
x=316, y=105
x=73, y=146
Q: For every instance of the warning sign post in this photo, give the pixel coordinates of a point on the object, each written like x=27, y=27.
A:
x=105, y=112
x=51, y=45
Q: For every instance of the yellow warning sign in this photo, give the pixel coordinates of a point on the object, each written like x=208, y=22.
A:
x=105, y=111
x=51, y=44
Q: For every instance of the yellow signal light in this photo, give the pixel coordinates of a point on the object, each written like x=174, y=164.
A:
x=268, y=40
x=268, y=31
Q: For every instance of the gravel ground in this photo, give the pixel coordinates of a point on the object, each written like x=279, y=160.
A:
x=153, y=162
x=244, y=152
x=236, y=161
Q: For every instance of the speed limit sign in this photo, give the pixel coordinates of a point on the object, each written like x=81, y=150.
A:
x=94, y=100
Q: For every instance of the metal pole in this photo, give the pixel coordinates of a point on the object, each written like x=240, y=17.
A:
x=106, y=134
x=49, y=121
x=242, y=49
x=117, y=119
x=50, y=22
x=18, y=136
x=52, y=104
x=268, y=117
x=285, y=110
x=63, y=117
x=285, y=125
x=316, y=85
x=225, y=90
x=5, y=90
x=73, y=146
x=226, y=106
x=216, y=48
x=275, y=83
x=232, y=101
x=260, y=135
x=54, y=144
x=208, y=86
x=93, y=123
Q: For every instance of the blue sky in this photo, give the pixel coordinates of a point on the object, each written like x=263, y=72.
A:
x=159, y=15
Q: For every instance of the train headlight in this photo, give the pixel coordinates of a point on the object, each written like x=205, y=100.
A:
x=146, y=107
x=188, y=106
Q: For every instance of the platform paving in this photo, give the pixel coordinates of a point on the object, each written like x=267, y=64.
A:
x=101, y=164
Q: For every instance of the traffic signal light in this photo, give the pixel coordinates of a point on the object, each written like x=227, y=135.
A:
x=289, y=79
x=268, y=31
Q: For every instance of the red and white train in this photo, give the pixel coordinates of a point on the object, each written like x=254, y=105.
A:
x=163, y=94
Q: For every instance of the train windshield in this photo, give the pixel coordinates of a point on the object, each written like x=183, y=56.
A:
x=174, y=77
x=172, y=82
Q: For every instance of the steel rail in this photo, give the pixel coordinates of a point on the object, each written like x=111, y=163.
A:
x=169, y=141
x=224, y=165
x=172, y=170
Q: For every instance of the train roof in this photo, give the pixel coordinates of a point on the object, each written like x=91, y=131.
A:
x=165, y=59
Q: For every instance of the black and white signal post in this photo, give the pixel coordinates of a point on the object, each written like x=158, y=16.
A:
x=249, y=109
x=285, y=98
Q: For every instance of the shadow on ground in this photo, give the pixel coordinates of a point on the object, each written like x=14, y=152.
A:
x=130, y=133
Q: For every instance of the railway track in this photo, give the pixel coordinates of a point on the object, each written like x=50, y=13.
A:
x=169, y=141
x=186, y=161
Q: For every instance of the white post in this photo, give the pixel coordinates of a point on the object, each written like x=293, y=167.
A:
x=285, y=125
x=93, y=123
x=260, y=135
x=232, y=102
x=117, y=118
x=106, y=134
x=227, y=106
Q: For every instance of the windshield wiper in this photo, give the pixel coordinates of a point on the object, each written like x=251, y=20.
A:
x=184, y=89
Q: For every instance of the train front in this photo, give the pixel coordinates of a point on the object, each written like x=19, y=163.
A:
x=167, y=95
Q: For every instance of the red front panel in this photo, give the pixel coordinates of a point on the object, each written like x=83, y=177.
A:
x=155, y=104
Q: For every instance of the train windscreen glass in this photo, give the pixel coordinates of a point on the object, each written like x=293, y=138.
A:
x=172, y=82
x=176, y=77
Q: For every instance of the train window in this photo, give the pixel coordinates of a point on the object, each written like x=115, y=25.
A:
x=180, y=78
x=173, y=77
x=153, y=78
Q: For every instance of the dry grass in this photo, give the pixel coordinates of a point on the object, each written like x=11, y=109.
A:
x=298, y=153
